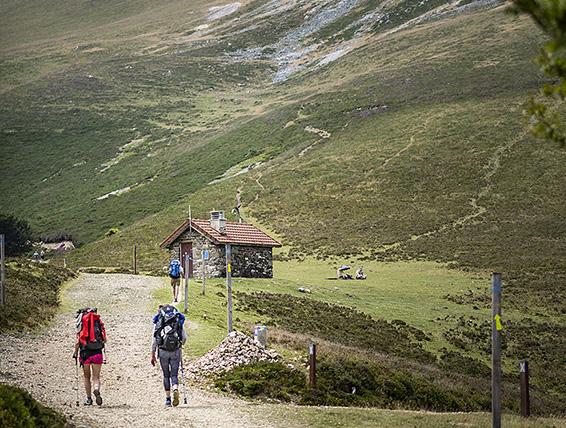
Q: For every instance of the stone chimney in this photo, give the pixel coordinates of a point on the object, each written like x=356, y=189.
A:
x=218, y=221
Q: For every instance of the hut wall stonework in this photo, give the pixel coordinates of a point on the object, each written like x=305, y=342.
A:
x=215, y=265
x=252, y=262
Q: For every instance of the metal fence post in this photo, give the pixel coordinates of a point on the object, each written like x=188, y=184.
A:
x=229, y=284
x=496, y=328
x=186, y=295
x=135, y=259
x=204, y=259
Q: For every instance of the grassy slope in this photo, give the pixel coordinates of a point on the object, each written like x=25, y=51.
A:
x=461, y=138
x=72, y=101
x=448, y=111
x=456, y=85
x=35, y=287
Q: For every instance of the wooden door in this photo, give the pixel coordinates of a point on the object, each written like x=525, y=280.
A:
x=187, y=248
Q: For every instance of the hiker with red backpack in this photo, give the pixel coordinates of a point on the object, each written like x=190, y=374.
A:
x=168, y=338
x=91, y=338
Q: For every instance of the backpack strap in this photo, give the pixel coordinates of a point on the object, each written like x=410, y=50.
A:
x=102, y=329
x=91, y=335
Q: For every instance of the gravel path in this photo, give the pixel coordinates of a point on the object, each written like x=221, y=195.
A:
x=131, y=388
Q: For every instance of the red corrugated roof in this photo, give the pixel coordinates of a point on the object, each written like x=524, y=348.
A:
x=236, y=233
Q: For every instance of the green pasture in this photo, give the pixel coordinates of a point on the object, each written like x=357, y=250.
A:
x=410, y=291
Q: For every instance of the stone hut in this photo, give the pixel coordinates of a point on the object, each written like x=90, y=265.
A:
x=251, y=248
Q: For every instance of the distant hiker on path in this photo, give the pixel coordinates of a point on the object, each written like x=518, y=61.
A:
x=168, y=339
x=360, y=273
x=237, y=208
x=91, y=338
x=175, y=273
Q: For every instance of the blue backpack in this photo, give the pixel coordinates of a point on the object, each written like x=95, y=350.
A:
x=175, y=269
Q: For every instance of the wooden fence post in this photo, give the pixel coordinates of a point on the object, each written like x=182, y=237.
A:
x=2, y=270
x=524, y=379
x=496, y=328
x=312, y=368
x=135, y=259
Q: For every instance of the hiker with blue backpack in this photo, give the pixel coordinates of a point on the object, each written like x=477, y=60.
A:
x=168, y=339
x=175, y=273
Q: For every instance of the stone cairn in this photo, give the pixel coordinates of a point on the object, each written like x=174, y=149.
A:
x=235, y=350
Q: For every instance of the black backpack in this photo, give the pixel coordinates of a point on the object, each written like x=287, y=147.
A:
x=168, y=329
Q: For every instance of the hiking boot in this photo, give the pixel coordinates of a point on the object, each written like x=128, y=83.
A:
x=175, y=397
x=88, y=401
x=98, y=397
x=168, y=402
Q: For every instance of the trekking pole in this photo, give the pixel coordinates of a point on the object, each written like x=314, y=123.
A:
x=183, y=378
x=77, y=378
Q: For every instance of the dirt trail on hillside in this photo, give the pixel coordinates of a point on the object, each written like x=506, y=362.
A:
x=131, y=388
x=491, y=168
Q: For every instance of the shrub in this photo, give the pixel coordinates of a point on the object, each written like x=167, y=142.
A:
x=267, y=380
x=112, y=231
x=451, y=360
x=349, y=381
x=92, y=269
x=18, y=235
x=19, y=409
x=387, y=366
x=358, y=382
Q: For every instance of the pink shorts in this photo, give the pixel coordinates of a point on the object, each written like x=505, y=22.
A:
x=93, y=359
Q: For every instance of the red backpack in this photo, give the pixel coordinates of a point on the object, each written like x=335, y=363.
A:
x=90, y=327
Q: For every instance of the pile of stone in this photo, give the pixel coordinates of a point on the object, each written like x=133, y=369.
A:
x=236, y=349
